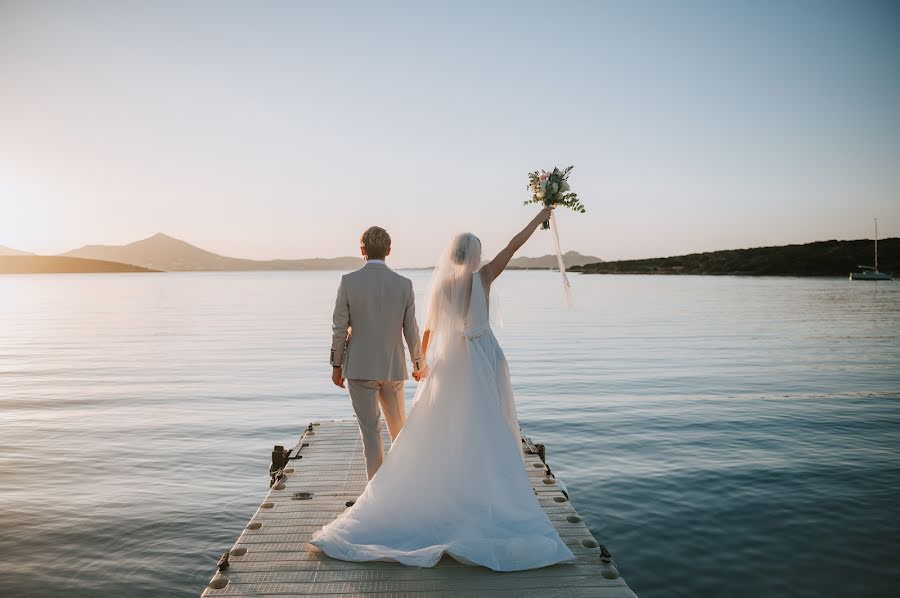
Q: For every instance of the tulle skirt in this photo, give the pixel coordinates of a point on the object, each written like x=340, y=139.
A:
x=454, y=481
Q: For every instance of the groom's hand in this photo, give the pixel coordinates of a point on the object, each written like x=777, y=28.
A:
x=421, y=374
x=337, y=377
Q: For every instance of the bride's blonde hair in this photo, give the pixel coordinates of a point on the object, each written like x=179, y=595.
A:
x=466, y=250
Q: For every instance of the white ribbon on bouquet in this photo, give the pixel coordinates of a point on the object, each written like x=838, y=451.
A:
x=567, y=288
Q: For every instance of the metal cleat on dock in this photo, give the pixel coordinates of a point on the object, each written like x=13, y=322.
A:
x=607, y=567
x=279, y=460
x=223, y=562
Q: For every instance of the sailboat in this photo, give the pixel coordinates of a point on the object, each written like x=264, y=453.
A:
x=870, y=272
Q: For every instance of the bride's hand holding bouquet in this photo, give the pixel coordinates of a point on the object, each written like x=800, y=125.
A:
x=551, y=188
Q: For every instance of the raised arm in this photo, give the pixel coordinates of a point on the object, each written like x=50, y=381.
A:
x=496, y=266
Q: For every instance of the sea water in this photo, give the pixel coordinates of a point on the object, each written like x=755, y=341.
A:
x=722, y=436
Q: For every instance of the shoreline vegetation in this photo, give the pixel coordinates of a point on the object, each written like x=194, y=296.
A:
x=822, y=258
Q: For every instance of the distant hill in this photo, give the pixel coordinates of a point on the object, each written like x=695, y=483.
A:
x=162, y=252
x=547, y=262
x=10, y=251
x=822, y=258
x=55, y=264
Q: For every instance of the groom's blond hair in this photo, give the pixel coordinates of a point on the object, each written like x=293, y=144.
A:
x=376, y=241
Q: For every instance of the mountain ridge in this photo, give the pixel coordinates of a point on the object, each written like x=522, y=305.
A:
x=167, y=253
x=164, y=252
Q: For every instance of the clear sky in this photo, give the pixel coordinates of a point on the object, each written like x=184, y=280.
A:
x=283, y=129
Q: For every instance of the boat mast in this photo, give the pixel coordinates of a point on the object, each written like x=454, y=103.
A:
x=876, y=244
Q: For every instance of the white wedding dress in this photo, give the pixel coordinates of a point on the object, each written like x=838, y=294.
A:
x=454, y=481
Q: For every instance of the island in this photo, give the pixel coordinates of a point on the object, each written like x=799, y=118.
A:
x=55, y=264
x=822, y=258
x=550, y=262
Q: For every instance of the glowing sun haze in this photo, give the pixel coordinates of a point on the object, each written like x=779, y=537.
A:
x=283, y=129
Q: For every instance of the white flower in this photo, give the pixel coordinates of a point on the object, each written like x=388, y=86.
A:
x=564, y=187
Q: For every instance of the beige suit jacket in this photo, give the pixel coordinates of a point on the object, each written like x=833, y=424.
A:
x=375, y=308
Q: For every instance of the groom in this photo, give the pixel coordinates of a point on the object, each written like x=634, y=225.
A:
x=374, y=305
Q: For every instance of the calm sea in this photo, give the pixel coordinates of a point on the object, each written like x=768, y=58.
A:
x=722, y=436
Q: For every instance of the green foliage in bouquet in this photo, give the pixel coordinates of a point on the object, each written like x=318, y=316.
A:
x=552, y=188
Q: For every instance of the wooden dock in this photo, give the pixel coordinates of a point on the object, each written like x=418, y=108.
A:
x=313, y=480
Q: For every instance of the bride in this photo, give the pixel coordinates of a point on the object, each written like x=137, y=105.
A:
x=454, y=482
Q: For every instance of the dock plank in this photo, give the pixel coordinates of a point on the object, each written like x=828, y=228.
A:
x=271, y=556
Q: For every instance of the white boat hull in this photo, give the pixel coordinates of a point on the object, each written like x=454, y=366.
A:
x=867, y=275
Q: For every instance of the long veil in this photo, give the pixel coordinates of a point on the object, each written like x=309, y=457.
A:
x=451, y=291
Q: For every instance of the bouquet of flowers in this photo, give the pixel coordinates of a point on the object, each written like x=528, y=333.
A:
x=551, y=188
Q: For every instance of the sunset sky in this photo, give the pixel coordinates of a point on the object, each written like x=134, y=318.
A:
x=283, y=129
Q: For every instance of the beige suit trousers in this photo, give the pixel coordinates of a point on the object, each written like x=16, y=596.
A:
x=370, y=398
